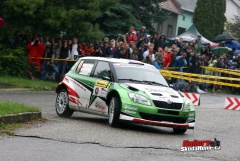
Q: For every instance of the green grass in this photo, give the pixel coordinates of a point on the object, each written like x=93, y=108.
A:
x=8, y=128
x=15, y=108
x=36, y=85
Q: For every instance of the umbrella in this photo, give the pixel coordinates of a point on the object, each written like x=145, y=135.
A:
x=2, y=23
x=223, y=37
x=220, y=50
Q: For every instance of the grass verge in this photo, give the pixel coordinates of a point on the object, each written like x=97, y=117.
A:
x=13, y=108
x=16, y=82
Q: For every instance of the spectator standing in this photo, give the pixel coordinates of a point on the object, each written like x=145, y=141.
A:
x=46, y=41
x=89, y=50
x=141, y=35
x=173, y=58
x=131, y=35
x=110, y=51
x=36, y=50
x=180, y=44
x=162, y=41
x=207, y=51
x=123, y=52
x=104, y=48
x=154, y=40
x=159, y=63
x=118, y=50
x=150, y=53
x=166, y=58
x=55, y=55
x=159, y=54
x=199, y=43
x=148, y=60
x=98, y=49
x=181, y=61
x=134, y=54
x=62, y=65
x=75, y=50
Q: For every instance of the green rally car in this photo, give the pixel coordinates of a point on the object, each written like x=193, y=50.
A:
x=126, y=90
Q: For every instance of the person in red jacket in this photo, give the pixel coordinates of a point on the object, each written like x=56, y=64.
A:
x=167, y=58
x=131, y=35
x=36, y=51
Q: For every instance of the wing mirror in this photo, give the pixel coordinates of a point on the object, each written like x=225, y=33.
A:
x=106, y=78
x=171, y=86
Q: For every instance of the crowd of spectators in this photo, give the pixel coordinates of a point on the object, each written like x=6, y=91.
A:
x=135, y=45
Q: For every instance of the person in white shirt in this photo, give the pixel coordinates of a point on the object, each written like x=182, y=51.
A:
x=150, y=53
x=73, y=52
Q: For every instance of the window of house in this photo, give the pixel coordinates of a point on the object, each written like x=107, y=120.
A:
x=169, y=31
x=181, y=30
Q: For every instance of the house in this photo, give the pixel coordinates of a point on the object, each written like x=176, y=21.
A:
x=181, y=15
x=184, y=20
x=168, y=27
x=232, y=8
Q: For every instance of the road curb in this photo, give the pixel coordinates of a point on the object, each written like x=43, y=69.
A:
x=20, y=118
x=14, y=89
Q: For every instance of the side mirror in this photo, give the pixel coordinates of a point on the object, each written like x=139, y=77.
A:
x=106, y=78
x=171, y=86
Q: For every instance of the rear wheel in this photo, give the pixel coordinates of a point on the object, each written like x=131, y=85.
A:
x=179, y=131
x=114, y=111
x=62, y=104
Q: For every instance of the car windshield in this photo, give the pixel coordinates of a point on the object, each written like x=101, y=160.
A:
x=139, y=74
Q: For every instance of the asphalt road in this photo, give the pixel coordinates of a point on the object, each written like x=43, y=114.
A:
x=89, y=138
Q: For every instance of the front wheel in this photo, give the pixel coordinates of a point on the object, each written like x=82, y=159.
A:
x=114, y=111
x=62, y=104
x=179, y=131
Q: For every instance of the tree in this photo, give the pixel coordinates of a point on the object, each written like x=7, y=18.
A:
x=52, y=16
x=134, y=13
x=219, y=15
x=234, y=27
x=209, y=17
x=148, y=12
x=117, y=20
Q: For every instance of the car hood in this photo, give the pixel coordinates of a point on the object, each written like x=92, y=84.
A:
x=158, y=93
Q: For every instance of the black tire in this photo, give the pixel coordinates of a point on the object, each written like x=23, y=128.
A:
x=114, y=111
x=179, y=131
x=62, y=104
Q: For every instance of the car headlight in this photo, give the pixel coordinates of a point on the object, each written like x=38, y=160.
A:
x=139, y=99
x=187, y=105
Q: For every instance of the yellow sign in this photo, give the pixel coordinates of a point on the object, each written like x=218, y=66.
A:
x=102, y=83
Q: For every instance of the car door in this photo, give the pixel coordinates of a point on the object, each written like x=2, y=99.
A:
x=82, y=83
x=100, y=89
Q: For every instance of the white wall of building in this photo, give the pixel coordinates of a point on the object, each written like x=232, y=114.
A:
x=231, y=10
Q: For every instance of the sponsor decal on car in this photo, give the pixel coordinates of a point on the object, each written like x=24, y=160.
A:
x=102, y=83
x=134, y=65
x=100, y=106
x=100, y=91
x=96, y=91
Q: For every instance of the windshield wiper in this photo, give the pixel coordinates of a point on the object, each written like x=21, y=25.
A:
x=132, y=80
x=153, y=82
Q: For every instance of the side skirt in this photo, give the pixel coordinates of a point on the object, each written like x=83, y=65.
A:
x=84, y=110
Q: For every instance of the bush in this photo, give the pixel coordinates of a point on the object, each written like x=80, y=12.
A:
x=14, y=62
